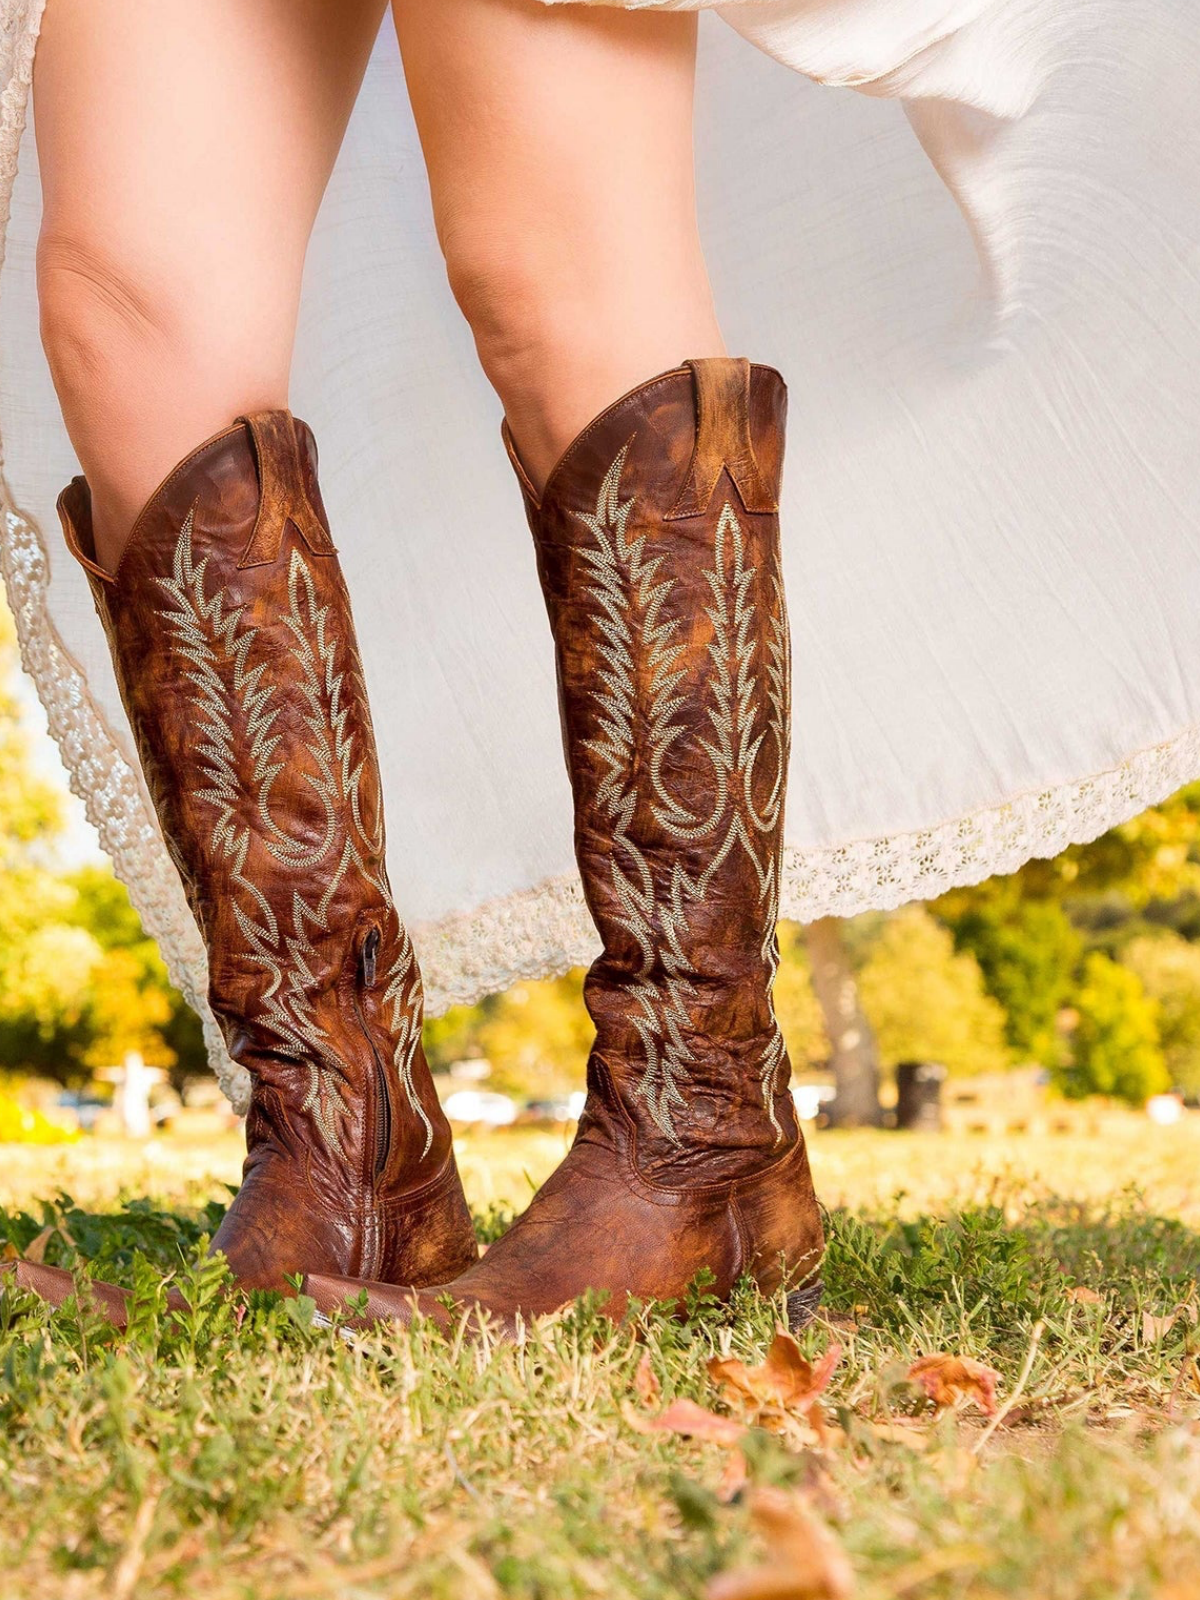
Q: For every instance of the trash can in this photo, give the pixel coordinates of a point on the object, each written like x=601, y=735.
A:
x=919, y=1095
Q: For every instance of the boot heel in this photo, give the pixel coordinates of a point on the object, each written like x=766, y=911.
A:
x=802, y=1305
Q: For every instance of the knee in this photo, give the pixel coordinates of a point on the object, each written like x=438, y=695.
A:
x=97, y=318
x=518, y=305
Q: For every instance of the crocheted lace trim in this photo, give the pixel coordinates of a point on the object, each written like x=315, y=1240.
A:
x=547, y=929
x=539, y=931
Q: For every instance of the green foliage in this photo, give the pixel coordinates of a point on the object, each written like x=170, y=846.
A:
x=46, y=965
x=928, y=1003
x=1116, y=1046
x=131, y=1001
x=1169, y=970
x=80, y=983
x=1028, y=953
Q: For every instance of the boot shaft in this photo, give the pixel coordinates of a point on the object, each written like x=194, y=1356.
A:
x=658, y=548
x=234, y=647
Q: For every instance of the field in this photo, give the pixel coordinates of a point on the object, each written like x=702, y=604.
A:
x=242, y=1452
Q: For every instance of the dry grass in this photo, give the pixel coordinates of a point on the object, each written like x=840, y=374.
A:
x=1104, y=1151
x=271, y=1459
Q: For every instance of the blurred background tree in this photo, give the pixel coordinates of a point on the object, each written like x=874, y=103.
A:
x=1169, y=970
x=80, y=983
x=1116, y=1046
x=927, y=1001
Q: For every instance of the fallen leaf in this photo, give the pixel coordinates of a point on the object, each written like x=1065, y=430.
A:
x=645, y=1383
x=35, y=1250
x=804, y=1562
x=1080, y=1295
x=948, y=1379
x=1155, y=1329
x=691, y=1420
x=785, y=1379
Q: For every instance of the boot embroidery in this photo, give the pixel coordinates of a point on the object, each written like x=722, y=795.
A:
x=211, y=634
x=643, y=651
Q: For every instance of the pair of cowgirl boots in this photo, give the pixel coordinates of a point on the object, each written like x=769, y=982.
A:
x=657, y=542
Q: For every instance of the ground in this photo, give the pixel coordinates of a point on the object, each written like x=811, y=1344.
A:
x=242, y=1452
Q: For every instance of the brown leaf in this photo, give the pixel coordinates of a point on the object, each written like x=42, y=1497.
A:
x=785, y=1378
x=948, y=1379
x=35, y=1250
x=804, y=1562
x=691, y=1420
x=645, y=1383
x=1080, y=1295
x=1156, y=1328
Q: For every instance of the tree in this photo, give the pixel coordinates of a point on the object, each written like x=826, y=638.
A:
x=132, y=1003
x=536, y=1036
x=80, y=983
x=1028, y=953
x=855, y=1058
x=927, y=1002
x=1116, y=1045
x=45, y=965
x=1169, y=969
x=1153, y=856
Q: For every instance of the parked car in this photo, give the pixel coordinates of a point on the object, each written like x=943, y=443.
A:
x=480, y=1106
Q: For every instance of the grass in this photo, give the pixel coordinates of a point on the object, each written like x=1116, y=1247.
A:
x=242, y=1452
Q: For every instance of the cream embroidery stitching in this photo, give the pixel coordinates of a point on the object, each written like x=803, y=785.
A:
x=209, y=634
x=631, y=591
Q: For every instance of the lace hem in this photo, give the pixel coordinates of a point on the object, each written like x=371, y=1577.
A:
x=547, y=929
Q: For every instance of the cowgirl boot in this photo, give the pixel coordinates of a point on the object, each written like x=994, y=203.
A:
x=658, y=548
x=234, y=647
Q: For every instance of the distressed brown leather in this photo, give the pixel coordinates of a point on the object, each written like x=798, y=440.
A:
x=658, y=548
x=234, y=648
x=57, y=1286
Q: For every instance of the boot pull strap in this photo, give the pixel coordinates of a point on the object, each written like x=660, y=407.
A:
x=723, y=442
x=282, y=496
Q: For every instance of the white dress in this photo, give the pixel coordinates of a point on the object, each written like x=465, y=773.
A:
x=982, y=280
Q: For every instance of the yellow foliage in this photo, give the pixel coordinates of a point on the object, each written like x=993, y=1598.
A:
x=795, y=1003
x=20, y=1125
x=127, y=1013
x=927, y=1003
x=537, y=1037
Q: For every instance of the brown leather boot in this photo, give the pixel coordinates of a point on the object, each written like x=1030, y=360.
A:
x=235, y=653
x=658, y=548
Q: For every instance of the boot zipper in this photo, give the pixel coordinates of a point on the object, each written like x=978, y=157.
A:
x=382, y=1120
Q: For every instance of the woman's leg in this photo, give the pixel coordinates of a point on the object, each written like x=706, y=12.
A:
x=184, y=150
x=185, y=145
x=559, y=146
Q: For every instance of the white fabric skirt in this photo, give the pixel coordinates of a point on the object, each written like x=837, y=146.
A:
x=982, y=280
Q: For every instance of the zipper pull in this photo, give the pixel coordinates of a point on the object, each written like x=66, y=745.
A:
x=369, y=956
